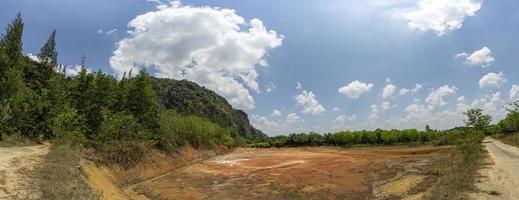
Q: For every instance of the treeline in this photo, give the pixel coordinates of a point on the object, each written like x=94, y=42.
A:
x=118, y=118
x=477, y=123
x=375, y=137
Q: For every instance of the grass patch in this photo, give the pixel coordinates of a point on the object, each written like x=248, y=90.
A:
x=456, y=173
x=60, y=176
x=512, y=139
x=16, y=140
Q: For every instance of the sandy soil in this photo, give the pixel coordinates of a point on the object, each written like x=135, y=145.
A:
x=500, y=180
x=15, y=163
x=295, y=173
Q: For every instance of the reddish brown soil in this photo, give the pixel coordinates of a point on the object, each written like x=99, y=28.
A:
x=287, y=173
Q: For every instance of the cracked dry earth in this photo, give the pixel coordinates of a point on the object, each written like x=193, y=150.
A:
x=16, y=163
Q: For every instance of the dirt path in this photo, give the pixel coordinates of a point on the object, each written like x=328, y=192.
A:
x=14, y=161
x=500, y=179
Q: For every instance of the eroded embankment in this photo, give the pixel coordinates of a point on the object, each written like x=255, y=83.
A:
x=114, y=182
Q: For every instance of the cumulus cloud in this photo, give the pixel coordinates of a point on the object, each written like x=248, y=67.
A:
x=492, y=80
x=343, y=118
x=441, y=16
x=416, y=89
x=309, y=103
x=388, y=91
x=270, y=87
x=336, y=109
x=482, y=57
x=355, y=89
x=212, y=46
x=299, y=86
x=275, y=113
x=514, y=92
x=33, y=57
x=293, y=118
x=436, y=97
x=374, y=113
x=73, y=70
x=387, y=105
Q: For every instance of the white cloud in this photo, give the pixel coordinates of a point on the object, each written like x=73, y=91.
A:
x=436, y=97
x=374, y=113
x=309, y=103
x=404, y=91
x=336, y=109
x=355, y=89
x=275, y=113
x=111, y=31
x=386, y=105
x=461, y=99
x=212, y=46
x=270, y=87
x=416, y=89
x=514, y=92
x=299, y=86
x=73, y=70
x=492, y=80
x=293, y=118
x=482, y=57
x=388, y=91
x=441, y=15
x=33, y=57
x=491, y=104
x=343, y=118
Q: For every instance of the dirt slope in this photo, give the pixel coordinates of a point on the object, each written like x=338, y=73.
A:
x=14, y=161
x=501, y=178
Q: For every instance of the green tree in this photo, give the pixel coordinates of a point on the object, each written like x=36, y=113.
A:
x=12, y=40
x=48, y=54
x=141, y=101
x=477, y=119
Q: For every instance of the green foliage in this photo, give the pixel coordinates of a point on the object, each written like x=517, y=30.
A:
x=141, y=101
x=197, y=132
x=188, y=98
x=121, y=126
x=12, y=41
x=375, y=137
x=477, y=120
x=27, y=115
x=48, y=54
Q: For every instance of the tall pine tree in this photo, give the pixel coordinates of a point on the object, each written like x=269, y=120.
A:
x=48, y=54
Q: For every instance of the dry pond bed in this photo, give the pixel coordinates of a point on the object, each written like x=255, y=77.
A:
x=301, y=173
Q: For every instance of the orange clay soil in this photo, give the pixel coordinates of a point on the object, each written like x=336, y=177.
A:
x=290, y=173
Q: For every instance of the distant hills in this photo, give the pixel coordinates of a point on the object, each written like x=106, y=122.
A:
x=189, y=98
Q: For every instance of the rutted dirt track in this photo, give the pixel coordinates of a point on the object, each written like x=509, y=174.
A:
x=500, y=180
x=14, y=161
x=295, y=173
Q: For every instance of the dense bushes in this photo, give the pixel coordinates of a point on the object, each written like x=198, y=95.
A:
x=177, y=130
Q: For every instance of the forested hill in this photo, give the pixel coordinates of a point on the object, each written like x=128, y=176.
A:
x=188, y=98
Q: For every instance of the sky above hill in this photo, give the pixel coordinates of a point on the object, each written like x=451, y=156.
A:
x=303, y=65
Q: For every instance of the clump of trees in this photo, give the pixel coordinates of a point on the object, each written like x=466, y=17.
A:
x=121, y=119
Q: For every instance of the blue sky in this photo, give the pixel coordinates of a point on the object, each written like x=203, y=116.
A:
x=344, y=54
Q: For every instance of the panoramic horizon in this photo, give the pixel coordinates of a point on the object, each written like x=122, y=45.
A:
x=305, y=66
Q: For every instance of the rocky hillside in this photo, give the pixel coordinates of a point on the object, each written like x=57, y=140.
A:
x=187, y=98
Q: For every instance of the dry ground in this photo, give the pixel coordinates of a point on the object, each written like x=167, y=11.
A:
x=15, y=162
x=299, y=173
x=500, y=179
